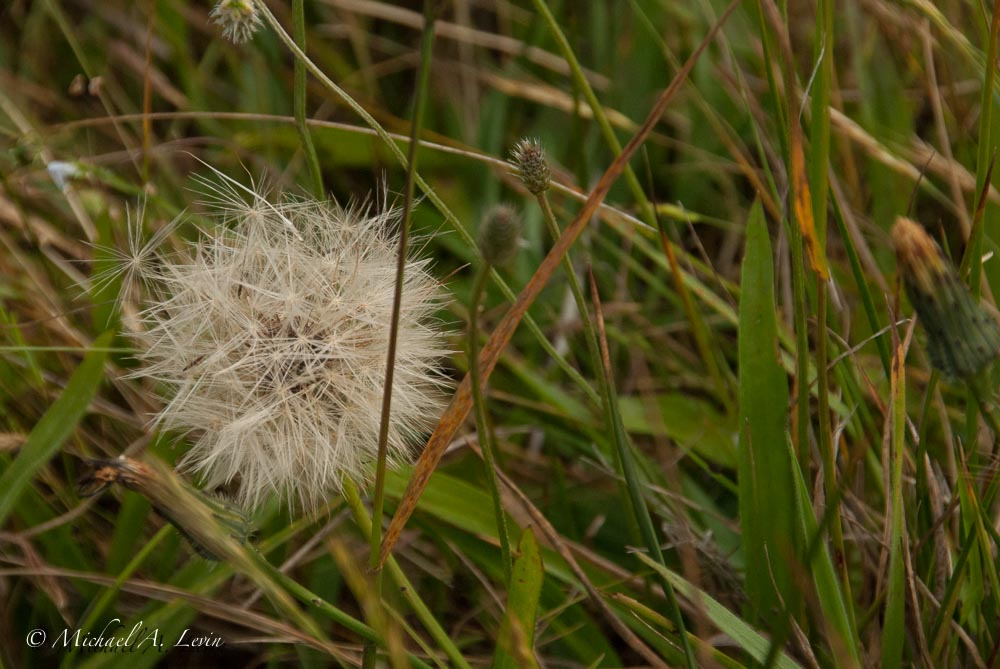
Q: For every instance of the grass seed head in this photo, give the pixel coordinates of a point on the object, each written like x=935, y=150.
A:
x=528, y=157
x=271, y=334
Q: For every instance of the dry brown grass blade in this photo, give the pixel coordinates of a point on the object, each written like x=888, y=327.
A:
x=461, y=403
x=804, y=208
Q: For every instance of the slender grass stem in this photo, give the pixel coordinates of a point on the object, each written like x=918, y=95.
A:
x=425, y=188
x=698, y=328
x=607, y=130
x=423, y=613
x=299, y=101
x=647, y=212
x=483, y=429
x=576, y=289
x=825, y=436
x=972, y=261
x=633, y=482
x=800, y=319
x=378, y=501
x=590, y=334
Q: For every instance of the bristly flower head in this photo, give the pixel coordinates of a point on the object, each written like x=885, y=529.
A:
x=962, y=337
x=499, y=234
x=272, y=335
x=238, y=18
x=528, y=157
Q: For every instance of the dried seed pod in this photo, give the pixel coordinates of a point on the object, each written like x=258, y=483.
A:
x=182, y=506
x=962, y=336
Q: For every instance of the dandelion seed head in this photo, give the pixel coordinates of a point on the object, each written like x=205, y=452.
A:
x=238, y=18
x=271, y=334
x=136, y=264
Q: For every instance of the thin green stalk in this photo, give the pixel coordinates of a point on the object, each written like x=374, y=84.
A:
x=800, y=319
x=424, y=187
x=614, y=418
x=423, y=77
x=588, y=327
x=483, y=428
x=607, y=130
x=825, y=437
x=575, y=288
x=894, y=625
x=819, y=144
x=646, y=209
x=299, y=101
x=430, y=623
x=698, y=328
x=858, y=272
x=973, y=258
x=640, y=511
x=818, y=157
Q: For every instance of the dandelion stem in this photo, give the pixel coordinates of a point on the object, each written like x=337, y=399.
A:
x=483, y=429
x=378, y=500
x=299, y=100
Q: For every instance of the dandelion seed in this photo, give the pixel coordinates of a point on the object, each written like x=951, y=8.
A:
x=271, y=335
x=962, y=337
x=136, y=264
x=238, y=18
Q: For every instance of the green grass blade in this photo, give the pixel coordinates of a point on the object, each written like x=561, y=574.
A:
x=745, y=636
x=515, y=644
x=765, y=474
x=894, y=624
x=55, y=426
x=972, y=261
x=836, y=616
x=633, y=481
x=299, y=102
